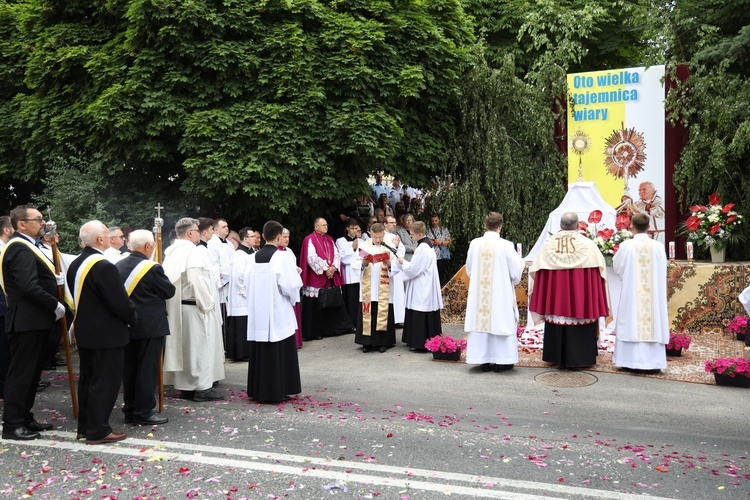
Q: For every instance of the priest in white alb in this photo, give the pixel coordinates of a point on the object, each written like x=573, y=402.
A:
x=744, y=299
x=494, y=268
x=273, y=286
x=642, y=323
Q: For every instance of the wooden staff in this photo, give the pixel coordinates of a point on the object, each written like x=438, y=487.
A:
x=158, y=223
x=52, y=230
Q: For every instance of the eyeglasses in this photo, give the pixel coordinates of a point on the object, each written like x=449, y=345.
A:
x=118, y=236
x=39, y=220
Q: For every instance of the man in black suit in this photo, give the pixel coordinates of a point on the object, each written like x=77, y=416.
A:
x=30, y=285
x=103, y=313
x=149, y=288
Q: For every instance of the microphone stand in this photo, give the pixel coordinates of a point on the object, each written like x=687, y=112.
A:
x=52, y=229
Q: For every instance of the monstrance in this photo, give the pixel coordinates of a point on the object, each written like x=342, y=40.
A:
x=580, y=143
x=625, y=153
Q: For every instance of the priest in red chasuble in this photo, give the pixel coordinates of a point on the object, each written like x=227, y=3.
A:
x=570, y=295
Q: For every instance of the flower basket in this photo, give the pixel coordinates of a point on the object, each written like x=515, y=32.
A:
x=712, y=226
x=738, y=327
x=447, y=356
x=607, y=240
x=445, y=348
x=731, y=381
x=733, y=372
x=678, y=342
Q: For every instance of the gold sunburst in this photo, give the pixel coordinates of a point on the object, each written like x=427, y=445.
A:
x=625, y=153
x=580, y=143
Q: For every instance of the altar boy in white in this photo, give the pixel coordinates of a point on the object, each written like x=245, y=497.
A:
x=494, y=268
x=273, y=286
x=642, y=324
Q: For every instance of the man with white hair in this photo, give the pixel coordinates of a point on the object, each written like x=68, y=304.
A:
x=148, y=288
x=652, y=205
x=103, y=313
x=192, y=361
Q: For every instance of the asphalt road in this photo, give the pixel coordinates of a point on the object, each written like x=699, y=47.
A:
x=399, y=425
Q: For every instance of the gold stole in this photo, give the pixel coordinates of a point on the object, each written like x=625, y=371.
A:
x=137, y=274
x=383, y=292
x=486, y=271
x=644, y=290
x=33, y=248
x=83, y=271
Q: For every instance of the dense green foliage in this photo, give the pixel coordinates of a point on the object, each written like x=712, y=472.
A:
x=280, y=108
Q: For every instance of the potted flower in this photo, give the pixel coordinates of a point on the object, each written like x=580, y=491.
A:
x=730, y=371
x=678, y=342
x=711, y=226
x=444, y=347
x=738, y=327
x=606, y=239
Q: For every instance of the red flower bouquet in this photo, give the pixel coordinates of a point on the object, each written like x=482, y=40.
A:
x=608, y=240
x=712, y=225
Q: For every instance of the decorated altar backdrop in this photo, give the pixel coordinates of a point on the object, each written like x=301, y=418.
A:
x=581, y=198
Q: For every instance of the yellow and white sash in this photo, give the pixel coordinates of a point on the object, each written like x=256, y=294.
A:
x=137, y=274
x=37, y=252
x=384, y=283
x=83, y=271
x=644, y=290
x=485, y=287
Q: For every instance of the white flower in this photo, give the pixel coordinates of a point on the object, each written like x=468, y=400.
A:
x=713, y=218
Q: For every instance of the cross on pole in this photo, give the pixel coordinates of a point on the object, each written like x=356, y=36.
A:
x=158, y=208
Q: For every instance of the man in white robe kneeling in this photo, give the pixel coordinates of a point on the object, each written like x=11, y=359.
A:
x=494, y=268
x=642, y=323
x=273, y=286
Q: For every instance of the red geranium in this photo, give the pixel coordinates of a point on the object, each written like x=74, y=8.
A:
x=713, y=199
x=622, y=221
x=693, y=223
x=595, y=217
x=727, y=208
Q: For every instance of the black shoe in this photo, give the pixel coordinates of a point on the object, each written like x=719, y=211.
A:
x=42, y=385
x=351, y=330
x=51, y=367
x=35, y=426
x=502, y=368
x=154, y=419
x=207, y=395
x=128, y=419
x=399, y=325
x=60, y=361
x=319, y=337
x=187, y=394
x=20, y=434
x=382, y=349
x=366, y=348
x=215, y=384
x=485, y=367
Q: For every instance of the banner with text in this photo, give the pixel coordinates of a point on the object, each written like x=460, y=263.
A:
x=616, y=138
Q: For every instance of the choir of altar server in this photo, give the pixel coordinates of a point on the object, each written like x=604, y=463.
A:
x=393, y=240
x=348, y=247
x=494, y=268
x=424, y=299
x=273, y=287
x=236, y=327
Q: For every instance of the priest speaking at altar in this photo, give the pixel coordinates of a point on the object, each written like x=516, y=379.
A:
x=642, y=325
x=570, y=295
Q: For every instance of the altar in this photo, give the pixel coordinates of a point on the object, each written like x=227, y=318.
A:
x=702, y=296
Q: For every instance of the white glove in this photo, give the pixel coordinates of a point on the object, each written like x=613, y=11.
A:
x=59, y=311
x=60, y=278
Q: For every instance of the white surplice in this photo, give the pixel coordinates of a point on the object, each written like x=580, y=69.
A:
x=221, y=255
x=494, y=268
x=398, y=286
x=423, y=292
x=194, y=353
x=375, y=270
x=273, y=289
x=642, y=324
x=745, y=299
x=237, y=290
x=349, y=270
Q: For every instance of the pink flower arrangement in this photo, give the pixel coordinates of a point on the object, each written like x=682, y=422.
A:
x=731, y=367
x=679, y=341
x=444, y=343
x=738, y=325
